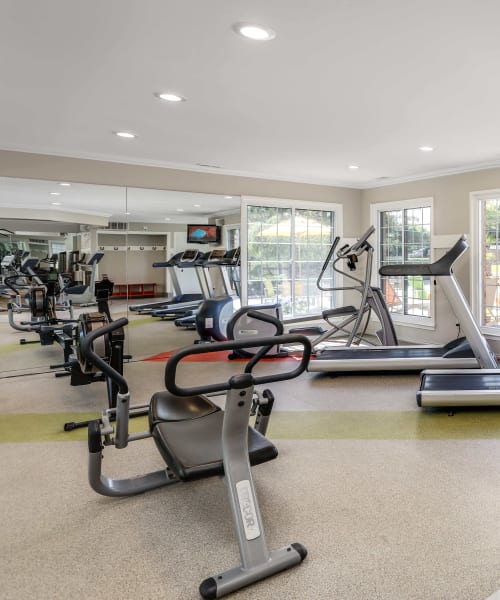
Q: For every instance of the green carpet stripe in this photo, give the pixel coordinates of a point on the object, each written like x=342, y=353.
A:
x=141, y=321
x=12, y=347
x=48, y=427
x=384, y=425
x=359, y=425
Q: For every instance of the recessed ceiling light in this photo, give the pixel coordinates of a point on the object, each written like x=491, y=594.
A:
x=228, y=197
x=170, y=97
x=426, y=148
x=56, y=203
x=125, y=134
x=62, y=183
x=254, y=32
x=55, y=193
x=353, y=167
x=179, y=209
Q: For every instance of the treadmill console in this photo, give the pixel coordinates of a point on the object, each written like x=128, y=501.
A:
x=232, y=256
x=189, y=256
x=216, y=255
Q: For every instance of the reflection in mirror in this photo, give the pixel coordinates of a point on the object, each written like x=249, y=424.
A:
x=50, y=227
x=83, y=232
x=158, y=223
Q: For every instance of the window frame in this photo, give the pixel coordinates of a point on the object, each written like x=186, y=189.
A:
x=278, y=203
x=476, y=267
x=375, y=209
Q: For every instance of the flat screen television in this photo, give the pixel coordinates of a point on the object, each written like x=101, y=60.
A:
x=203, y=234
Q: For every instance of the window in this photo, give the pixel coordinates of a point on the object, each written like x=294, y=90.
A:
x=404, y=236
x=486, y=260
x=232, y=236
x=286, y=245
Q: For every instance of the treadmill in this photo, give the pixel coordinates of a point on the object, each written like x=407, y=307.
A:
x=469, y=352
x=186, y=259
x=463, y=387
x=202, y=265
x=223, y=261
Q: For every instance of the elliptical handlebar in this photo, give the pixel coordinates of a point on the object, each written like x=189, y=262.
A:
x=359, y=246
x=266, y=343
x=326, y=263
x=87, y=351
x=363, y=239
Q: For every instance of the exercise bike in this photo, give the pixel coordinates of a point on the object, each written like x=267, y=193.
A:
x=110, y=348
x=197, y=440
x=43, y=292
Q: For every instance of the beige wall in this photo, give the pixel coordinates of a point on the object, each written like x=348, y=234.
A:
x=450, y=193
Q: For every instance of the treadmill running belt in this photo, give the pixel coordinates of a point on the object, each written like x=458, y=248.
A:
x=378, y=353
x=474, y=381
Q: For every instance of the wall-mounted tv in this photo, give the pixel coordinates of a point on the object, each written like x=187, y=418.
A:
x=203, y=234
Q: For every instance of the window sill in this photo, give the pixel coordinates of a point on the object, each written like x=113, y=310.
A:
x=415, y=323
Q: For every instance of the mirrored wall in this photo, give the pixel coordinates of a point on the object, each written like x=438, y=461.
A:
x=65, y=224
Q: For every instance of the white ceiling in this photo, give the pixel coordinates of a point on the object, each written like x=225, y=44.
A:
x=344, y=82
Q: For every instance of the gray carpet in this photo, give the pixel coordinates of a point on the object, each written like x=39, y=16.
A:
x=382, y=519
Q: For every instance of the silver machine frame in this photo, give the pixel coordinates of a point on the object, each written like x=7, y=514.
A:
x=386, y=358
x=257, y=561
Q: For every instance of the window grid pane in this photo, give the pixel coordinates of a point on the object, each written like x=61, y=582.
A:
x=490, y=259
x=405, y=236
x=286, y=249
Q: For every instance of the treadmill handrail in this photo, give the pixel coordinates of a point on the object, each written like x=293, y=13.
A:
x=439, y=268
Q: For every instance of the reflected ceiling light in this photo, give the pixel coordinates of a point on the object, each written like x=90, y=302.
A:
x=426, y=148
x=197, y=205
x=167, y=219
x=254, y=32
x=353, y=167
x=170, y=97
x=228, y=197
x=179, y=209
x=125, y=134
x=54, y=193
x=62, y=183
x=56, y=203
x=126, y=213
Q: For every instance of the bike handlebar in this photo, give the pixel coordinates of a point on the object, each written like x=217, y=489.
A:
x=88, y=352
x=265, y=344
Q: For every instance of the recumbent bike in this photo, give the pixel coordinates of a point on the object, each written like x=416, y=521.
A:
x=197, y=440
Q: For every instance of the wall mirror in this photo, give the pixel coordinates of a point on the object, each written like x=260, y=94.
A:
x=131, y=227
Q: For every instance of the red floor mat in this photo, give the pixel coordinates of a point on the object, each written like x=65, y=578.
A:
x=212, y=357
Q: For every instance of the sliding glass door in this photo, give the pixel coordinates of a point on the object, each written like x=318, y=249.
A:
x=286, y=245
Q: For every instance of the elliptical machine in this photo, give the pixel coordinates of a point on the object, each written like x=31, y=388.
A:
x=349, y=320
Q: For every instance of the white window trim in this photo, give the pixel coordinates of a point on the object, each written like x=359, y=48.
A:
x=375, y=209
x=228, y=229
x=475, y=256
x=280, y=203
